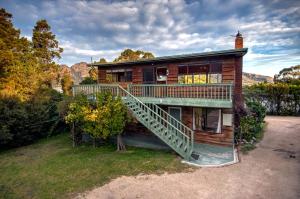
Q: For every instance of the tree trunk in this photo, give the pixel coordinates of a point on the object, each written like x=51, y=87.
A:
x=120, y=144
x=73, y=134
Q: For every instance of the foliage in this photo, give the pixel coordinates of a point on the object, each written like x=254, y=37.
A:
x=252, y=124
x=93, y=74
x=88, y=80
x=278, y=98
x=24, y=122
x=27, y=103
x=51, y=168
x=105, y=117
x=26, y=66
x=102, y=60
x=289, y=75
x=66, y=84
x=130, y=55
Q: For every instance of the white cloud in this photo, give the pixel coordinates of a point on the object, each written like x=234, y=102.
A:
x=104, y=28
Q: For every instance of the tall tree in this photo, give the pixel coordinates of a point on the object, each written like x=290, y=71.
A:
x=46, y=49
x=130, y=55
x=16, y=61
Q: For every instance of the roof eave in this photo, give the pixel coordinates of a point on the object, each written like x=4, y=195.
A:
x=236, y=52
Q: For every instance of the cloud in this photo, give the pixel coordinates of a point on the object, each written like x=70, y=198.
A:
x=103, y=28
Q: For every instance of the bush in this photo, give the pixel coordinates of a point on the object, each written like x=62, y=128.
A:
x=253, y=123
x=278, y=98
x=23, y=122
x=100, y=118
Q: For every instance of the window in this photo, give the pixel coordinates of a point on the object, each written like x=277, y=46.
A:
x=214, y=78
x=192, y=74
x=207, y=119
x=188, y=79
x=200, y=74
x=119, y=76
x=161, y=74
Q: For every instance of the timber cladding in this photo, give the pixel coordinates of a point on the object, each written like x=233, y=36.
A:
x=101, y=75
x=173, y=74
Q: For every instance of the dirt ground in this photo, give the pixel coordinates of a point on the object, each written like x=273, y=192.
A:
x=272, y=170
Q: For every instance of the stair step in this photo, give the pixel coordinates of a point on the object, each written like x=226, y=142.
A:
x=153, y=123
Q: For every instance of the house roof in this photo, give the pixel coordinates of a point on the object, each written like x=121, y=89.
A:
x=235, y=52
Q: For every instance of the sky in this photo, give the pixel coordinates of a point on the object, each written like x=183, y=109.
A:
x=85, y=29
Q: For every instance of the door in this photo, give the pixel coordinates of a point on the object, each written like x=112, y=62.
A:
x=148, y=78
x=175, y=112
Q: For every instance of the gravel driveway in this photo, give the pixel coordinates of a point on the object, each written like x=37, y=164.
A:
x=272, y=170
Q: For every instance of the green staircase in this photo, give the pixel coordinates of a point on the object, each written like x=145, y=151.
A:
x=171, y=131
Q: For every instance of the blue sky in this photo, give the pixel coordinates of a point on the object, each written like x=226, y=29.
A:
x=104, y=28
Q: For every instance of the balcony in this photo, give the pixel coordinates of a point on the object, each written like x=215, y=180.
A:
x=204, y=95
x=198, y=95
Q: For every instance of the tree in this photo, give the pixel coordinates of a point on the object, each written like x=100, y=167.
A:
x=45, y=45
x=289, y=75
x=131, y=55
x=66, y=84
x=16, y=61
x=102, y=60
x=28, y=108
x=93, y=72
x=105, y=117
x=46, y=49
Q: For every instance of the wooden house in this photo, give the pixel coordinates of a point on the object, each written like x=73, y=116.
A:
x=182, y=99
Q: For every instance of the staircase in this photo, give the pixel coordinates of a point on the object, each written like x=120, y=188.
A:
x=171, y=131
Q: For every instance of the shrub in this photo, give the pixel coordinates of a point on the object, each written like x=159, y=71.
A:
x=252, y=124
x=23, y=122
x=101, y=118
x=278, y=98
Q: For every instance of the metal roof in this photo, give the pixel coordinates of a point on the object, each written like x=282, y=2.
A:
x=236, y=52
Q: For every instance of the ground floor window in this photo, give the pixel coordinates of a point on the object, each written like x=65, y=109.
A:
x=207, y=119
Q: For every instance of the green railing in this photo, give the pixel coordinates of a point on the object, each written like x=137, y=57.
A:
x=174, y=133
x=200, y=91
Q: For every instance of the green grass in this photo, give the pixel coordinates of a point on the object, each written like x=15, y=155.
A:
x=51, y=168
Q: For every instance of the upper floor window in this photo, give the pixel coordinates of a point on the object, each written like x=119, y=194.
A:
x=200, y=74
x=119, y=76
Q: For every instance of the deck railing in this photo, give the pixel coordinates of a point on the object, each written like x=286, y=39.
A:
x=201, y=91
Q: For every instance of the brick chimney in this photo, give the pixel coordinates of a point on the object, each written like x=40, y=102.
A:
x=239, y=40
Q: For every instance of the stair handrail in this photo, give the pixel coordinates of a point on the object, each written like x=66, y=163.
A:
x=144, y=105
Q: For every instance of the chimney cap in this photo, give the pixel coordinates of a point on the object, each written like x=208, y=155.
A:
x=239, y=34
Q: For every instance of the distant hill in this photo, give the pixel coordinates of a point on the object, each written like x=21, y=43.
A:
x=77, y=71
x=251, y=78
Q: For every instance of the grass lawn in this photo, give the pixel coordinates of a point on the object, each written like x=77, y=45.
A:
x=51, y=168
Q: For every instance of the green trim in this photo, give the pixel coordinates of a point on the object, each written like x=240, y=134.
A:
x=235, y=52
x=188, y=102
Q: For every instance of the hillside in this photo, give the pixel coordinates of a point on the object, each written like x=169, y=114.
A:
x=251, y=78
